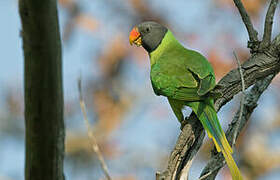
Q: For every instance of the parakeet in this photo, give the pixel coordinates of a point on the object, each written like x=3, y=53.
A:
x=186, y=78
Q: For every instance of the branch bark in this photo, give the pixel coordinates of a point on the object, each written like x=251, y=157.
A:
x=262, y=64
x=253, y=34
x=269, y=22
x=42, y=90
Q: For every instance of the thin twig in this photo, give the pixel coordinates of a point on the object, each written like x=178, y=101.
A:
x=209, y=173
x=269, y=22
x=253, y=34
x=242, y=98
x=93, y=140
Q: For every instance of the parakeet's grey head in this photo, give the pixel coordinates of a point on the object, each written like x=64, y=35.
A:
x=149, y=34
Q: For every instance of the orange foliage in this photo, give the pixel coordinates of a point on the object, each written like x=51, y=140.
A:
x=66, y=3
x=109, y=112
x=124, y=177
x=86, y=22
x=253, y=7
x=76, y=143
x=113, y=53
x=259, y=157
x=14, y=102
x=219, y=62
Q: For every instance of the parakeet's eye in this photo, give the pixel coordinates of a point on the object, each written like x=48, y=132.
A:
x=147, y=29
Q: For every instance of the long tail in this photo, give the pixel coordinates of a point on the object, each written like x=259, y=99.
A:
x=208, y=118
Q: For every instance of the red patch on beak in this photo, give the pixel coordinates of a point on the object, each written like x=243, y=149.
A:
x=134, y=37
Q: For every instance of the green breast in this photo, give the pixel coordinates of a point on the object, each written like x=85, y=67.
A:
x=169, y=77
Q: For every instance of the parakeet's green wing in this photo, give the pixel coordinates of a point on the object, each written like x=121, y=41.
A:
x=181, y=85
x=201, y=69
x=187, y=75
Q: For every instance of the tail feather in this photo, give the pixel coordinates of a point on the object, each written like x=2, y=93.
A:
x=208, y=117
x=234, y=171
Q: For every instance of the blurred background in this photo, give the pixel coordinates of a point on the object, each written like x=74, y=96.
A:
x=135, y=129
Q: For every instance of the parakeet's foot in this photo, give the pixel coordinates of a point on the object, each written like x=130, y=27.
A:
x=183, y=123
x=215, y=95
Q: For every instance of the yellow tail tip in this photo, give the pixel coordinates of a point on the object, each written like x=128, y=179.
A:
x=235, y=173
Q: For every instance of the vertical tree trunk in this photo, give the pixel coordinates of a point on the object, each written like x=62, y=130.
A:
x=42, y=90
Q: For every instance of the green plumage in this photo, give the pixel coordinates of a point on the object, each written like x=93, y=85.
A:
x=186, y=78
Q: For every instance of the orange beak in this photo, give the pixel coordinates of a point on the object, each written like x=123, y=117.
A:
x=135, y=37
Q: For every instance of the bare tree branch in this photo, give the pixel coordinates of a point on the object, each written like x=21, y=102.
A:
x=180, y=156
x=241, y=101
x=92, y=138
x=256, y=67
x=210, y=172
x=253, y=34
x=269, y=22
x=251, y=99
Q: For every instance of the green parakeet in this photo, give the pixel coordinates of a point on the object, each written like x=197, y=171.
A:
x=186, y=78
